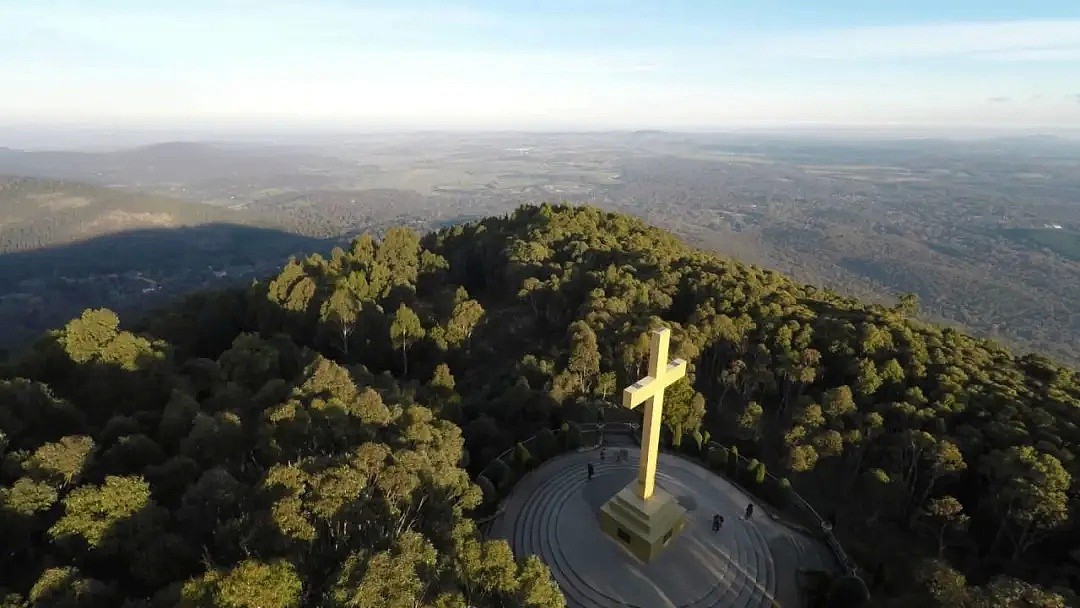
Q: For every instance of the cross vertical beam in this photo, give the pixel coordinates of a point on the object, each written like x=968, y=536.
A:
x=650, y=391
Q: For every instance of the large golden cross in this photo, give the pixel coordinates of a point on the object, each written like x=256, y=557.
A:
x=650, y=390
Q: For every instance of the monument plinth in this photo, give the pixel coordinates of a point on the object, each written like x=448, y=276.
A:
x=642, y=517
x=644, y=527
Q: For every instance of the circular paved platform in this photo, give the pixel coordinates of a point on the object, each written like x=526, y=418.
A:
x=554, y=514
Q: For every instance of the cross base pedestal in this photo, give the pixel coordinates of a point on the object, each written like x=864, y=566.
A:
x=644, y=527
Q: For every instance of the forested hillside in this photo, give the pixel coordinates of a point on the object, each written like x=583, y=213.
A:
x=37, y=213
x=66, y=246
x=305, y=442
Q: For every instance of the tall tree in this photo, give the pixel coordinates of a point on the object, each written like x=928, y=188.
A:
x=946, y=515
x=341, y=311
x=404, y=331
x=1028, y=493
x=584, y=355
x=463, y=320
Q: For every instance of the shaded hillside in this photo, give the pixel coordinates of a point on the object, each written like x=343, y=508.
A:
x=65, y=246
x=37, y=213
x=157, y=250
x=133, y=271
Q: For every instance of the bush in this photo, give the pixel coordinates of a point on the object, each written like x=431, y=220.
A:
x=546, y=444
x=499, y=473
x=694, y=447
x=491, y=495
x=573, y=436
x=783, y=494
x=733, y=463
x=704, y=451
x=718, y=459
x=759, y=474
x=523, y=460
x=848, y=592
x=750, y=472
x=676, y=436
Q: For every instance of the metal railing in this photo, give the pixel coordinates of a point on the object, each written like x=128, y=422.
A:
x=825, y=527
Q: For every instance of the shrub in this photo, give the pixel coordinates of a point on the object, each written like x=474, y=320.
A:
x=499, y=473
x=733, y=463
x=718, y=459
x=783, y=494
x=748, y=473
x=676, y=436
x=546, y=444
x=523, y=460
x=759, y=474
x=695, y=447
x=491, y=495
x=573, y=436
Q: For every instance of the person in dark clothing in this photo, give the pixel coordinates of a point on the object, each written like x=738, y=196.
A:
x=749, y=511
x=591, y=471
x=603, y=452
x=717, y=522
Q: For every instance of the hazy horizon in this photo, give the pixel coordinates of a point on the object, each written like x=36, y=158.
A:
x=485, y=65
x=32, y=137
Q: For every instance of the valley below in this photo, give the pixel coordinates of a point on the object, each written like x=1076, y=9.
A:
x=985, y=232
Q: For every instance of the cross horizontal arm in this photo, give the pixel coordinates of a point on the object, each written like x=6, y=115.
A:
x=640, y=391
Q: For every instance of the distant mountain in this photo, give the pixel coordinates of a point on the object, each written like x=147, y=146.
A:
x=171, y=162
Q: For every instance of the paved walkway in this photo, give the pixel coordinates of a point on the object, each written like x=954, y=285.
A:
x=554, y=513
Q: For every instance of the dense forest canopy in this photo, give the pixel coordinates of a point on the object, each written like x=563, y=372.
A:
x=308, y=441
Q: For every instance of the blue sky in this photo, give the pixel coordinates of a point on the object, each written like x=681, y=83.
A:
x=553, y=64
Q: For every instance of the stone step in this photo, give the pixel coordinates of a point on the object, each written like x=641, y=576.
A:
x=590, y=597
x=583, y=595
x=723, y=594
x=741, y=590
x=735, y=591
x=579, y=593
x=536, y=526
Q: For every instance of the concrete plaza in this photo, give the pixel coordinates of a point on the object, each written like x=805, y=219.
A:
x=554, y=513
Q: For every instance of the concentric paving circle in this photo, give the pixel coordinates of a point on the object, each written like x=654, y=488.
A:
x=554, y=514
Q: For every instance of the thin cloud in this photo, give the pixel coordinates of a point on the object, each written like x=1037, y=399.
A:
x=243, y=21
x=1036, y=40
